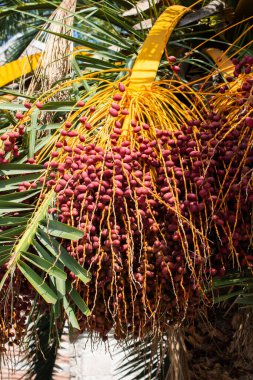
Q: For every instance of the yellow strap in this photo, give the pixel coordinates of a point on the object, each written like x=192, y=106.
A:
x=14, y=70
x=23, y=66
x=225, y=66
x=223, y=63
x=146, y=65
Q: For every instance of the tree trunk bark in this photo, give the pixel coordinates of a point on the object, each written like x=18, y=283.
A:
x=178, y=356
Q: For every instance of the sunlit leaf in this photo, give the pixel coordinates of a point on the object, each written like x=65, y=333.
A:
x=77, y=299
x=12, y=183
x=12, y=107
x=6, y=206
x=38, y=283
x=61, y=230
x=12, y=169
x=70, y=314
x=45, y=265
x=59, y=251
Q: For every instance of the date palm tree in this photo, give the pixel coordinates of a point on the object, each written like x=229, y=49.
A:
x=110, y=33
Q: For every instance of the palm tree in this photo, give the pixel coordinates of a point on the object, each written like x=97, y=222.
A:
x=110, y=39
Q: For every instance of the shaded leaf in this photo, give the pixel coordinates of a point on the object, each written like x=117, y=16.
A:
x=212, y=8
x=13, y=220
x=19, y=196
x=12, y=232
x=224, y=282
x=4, y=258
x=225, y=297
x=98, y=63
x=5, y=249
x=6, y=90
x=141, y=6
x=245, y=299
x=59, y=106
x=32, y=132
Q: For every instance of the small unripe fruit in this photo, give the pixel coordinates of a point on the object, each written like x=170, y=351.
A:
x=80, y=103
x=64, y=132
x=117, y=97
x=249, y=121
x=39, y=105
x=172, y=59
x=88, y=126
x=176, y=69
x=124, y=112
x=68, y=124
x=83, y=119
x=145, y=126
x=52, y=210
x=72, y=134
x=19, y=115
x=116, y=106
x=113, y=112
x=27, y=105
x=122, y=87
x=118, y=124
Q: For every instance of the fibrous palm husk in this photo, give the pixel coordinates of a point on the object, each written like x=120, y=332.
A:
x=54, y=64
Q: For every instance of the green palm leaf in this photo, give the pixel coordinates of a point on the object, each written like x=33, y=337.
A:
x=27, y=223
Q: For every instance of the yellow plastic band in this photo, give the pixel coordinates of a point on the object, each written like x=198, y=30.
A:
x=225, y=66
x=25, y=65
x=223, y=63
x=15, y=69
x=146, y=65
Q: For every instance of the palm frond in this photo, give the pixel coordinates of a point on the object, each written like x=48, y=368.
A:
x=237, y=287
x=151, y=358
x=41, y=344
x=143, y=360
x=31, y=242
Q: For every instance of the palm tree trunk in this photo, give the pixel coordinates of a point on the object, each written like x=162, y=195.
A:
x=178, y=356
x=55, y=63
